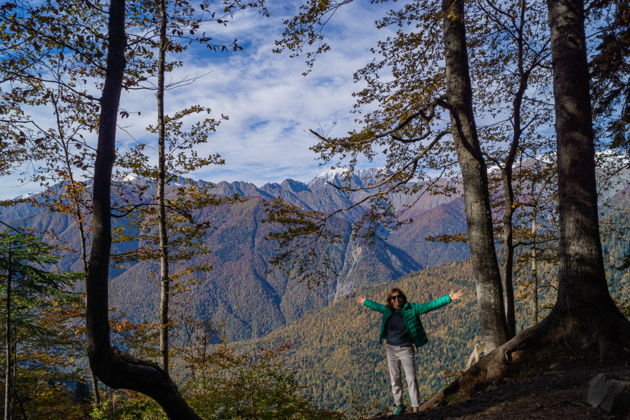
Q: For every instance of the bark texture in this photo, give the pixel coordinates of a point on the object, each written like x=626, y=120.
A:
x=475, y=180
x=164, y=263
x=115, y=368
x=581, y=265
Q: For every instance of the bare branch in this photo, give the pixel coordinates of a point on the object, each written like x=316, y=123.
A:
x=129, y=210
x=425, y=114
x=413, y=162
x=538, y=241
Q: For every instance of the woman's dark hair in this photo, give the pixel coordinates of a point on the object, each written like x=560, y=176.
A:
x=395, y=291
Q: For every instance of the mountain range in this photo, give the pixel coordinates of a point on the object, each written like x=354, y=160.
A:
x=243, y=291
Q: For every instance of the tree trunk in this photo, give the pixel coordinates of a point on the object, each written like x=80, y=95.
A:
x=508, y=253
x=507, y=180
x=583, y=297
x=20, y=404
x=114, y=368
x=8, y=383
x=164, y=269
x=474, y=178
x=508, y=192
x=535, y=269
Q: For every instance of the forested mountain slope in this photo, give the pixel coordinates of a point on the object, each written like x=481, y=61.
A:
x=336, y=355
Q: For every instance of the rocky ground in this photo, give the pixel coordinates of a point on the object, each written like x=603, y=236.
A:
x=552, y=394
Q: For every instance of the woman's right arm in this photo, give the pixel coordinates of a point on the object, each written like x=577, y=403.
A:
x=371, y=304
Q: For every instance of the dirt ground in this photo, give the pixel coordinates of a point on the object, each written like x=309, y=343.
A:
x=552, y=394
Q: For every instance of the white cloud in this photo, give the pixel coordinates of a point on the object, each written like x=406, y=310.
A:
x=270, y=104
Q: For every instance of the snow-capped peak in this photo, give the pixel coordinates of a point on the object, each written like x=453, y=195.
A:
x=331, y=173
x=24, y=196
x=130, y=177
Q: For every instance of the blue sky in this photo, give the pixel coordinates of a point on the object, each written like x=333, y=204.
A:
x=270, y=105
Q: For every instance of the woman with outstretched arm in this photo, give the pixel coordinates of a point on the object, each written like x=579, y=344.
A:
x=402, y=330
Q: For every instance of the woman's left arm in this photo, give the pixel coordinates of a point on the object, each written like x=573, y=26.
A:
x=423, y=308
x=455, y=295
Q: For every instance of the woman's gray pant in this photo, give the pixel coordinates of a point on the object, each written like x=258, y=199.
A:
x=398, y=356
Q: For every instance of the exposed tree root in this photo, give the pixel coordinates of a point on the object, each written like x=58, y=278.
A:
x=554, y=341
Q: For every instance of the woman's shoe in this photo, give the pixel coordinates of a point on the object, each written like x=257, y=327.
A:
x=399, y=410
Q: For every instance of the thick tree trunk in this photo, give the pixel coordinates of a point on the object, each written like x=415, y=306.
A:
x=583, y=298
x=114, y=368
x=582, y=278
x=164, y=268
x=475, y=180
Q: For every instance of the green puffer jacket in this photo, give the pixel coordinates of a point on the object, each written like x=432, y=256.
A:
x=411, y=317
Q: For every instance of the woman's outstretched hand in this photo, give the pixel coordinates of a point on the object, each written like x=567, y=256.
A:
x=360, y=299
x=456, y=295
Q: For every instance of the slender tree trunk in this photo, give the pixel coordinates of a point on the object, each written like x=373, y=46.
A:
x=8, y=380
x=475, y=180
x=582, y=288
x=508, y=252
x=508, y=171
x=164, y=269
x=13, y=367
x=508, y=206
x=535, y=269
x=115, y=368
x=20, y=404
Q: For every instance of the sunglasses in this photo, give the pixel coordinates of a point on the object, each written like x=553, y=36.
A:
x=396, y=297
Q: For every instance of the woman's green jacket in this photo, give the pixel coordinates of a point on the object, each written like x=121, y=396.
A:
x=411, y=317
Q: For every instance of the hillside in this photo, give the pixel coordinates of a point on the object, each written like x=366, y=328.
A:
x=335, y=352
x=252, y=300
